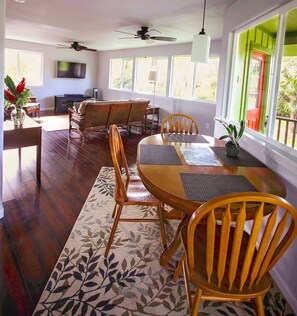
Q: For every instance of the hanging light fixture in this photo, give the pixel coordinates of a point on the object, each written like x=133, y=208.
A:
x=201, y=44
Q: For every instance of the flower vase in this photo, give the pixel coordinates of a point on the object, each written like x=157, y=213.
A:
x=232, y=149
x=18, y=116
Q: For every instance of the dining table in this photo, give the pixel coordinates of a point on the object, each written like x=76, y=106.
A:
x=184, y=171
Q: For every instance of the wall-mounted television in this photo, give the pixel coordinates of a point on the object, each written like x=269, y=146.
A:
x=66, y=69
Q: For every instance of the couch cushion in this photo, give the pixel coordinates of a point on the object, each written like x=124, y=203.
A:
x=79, y=107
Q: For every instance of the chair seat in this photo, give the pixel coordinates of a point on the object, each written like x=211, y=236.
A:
x=32, y=106
x=137, y=194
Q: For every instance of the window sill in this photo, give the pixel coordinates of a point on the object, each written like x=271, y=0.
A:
x=278, y=157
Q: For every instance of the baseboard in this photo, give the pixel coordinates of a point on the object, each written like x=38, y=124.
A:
x=286, y=291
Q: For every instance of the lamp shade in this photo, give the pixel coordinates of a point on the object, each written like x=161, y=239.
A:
x=200, y=48
x=154, y=75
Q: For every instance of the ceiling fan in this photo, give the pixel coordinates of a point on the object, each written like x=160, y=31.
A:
x=144, y=35
x=77, y=47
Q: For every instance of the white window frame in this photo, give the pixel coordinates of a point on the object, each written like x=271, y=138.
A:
x=19, y=78
x=265, y=140
x=133, y=73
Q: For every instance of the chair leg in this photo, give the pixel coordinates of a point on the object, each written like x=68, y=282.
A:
x=187, y=285
x=259, y=306
x=113, y=230
x=114, y=211
x=179, y=268
x=196, y=303
x=162, y=226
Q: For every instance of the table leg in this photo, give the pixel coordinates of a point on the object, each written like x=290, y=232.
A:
x=38, y=159
x=168, y=253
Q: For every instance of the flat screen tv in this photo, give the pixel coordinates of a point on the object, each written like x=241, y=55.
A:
x=66, y=69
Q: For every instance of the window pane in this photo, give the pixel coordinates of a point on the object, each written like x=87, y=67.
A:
x=285, y=128
x=121, y=73
x=143, y=67
x=252, y=99
x=115, y=73
x=182, y=78
x=127, y=74
x=30, y=67
x=206, y=80
x=19, y=64
x=251, y=81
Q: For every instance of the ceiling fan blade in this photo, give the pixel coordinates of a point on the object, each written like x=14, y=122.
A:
x=163, y=38
x=124, y=32
x=128, y=37
x=90, y=49
x=153, y=30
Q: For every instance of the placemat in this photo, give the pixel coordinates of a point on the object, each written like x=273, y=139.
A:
x=185, y=138
x=159, y=155
x=199, y=156
x=244, y=158
x=204, y=187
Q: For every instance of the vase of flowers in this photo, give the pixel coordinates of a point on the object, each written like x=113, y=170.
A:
x=16, y=96
x=232, y=145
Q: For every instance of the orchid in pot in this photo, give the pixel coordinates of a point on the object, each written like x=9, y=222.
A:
x=234, y=134
x=16, y=96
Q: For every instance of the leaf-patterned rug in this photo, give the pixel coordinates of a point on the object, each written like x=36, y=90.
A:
x=130, y=282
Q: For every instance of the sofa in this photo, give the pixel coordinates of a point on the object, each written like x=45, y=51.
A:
x=92, y=115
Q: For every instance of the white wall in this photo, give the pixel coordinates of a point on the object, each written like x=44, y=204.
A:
x=202, y=112
x=283, y=162
x=59, y=86
x=2, y=33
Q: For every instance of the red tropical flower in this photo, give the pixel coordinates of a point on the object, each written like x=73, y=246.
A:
x=21, y=86
x=9, y=96
x=16, y=95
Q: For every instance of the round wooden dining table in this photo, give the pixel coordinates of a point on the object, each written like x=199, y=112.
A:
x=186, y=171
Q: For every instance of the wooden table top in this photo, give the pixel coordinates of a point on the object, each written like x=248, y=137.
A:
x=164, y=181
x=8, y=125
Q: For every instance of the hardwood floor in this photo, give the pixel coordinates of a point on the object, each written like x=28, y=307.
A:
x=39, y=219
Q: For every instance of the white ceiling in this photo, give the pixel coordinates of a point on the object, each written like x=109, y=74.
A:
x=93, y=22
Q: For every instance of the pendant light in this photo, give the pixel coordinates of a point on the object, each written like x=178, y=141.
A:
x=201, y=44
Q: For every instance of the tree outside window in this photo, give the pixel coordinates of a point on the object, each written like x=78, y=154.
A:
x=121, y=72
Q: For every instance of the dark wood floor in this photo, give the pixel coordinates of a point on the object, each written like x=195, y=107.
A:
x=39, y=219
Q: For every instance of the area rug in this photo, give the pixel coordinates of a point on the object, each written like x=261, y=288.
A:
x=130, y=282
x=53, y=123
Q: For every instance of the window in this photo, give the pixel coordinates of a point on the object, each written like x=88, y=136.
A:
x=265, y=101
x=121, y=73
x=194, y=81
x=143, y=66
x=189, y=81
x=206, y=77
x=19, y=64
x=182, y=77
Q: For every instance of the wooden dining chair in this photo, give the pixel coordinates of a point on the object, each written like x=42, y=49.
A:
x=179, y=124
x=129, y=190
x=227, y=256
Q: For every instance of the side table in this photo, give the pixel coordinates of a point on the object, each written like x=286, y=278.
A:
x=29, y=134
x=151, y=116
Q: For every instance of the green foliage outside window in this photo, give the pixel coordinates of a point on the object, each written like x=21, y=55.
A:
x=287, y=99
